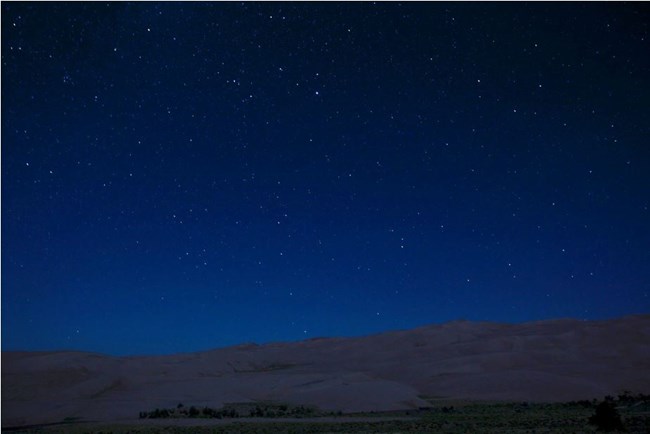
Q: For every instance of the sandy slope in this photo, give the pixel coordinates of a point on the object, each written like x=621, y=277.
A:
x=548, y=360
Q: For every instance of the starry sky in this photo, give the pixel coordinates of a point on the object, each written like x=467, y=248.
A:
x=184, y=176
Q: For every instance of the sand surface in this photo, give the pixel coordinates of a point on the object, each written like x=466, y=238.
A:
x=540, y=361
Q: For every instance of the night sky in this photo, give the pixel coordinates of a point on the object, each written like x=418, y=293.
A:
x=179, y=177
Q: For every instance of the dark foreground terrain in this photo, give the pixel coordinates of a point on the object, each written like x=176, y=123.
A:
x=455, y=417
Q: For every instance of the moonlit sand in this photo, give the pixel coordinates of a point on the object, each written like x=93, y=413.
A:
x=537, y=361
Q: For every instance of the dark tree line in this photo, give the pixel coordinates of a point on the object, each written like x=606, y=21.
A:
x=229, y=412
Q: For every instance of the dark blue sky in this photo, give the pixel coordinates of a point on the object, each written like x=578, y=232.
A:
x=178, y=177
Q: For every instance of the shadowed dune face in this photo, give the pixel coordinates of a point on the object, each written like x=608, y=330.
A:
x=540, y=361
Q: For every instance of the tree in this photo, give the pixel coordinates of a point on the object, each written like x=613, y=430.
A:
x=607, y=417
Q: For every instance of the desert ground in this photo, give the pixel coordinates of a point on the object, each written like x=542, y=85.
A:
x=404, y=377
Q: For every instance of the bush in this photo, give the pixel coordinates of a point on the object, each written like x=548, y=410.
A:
x=607, y=417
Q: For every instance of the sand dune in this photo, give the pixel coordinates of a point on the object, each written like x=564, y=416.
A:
x=538, y=361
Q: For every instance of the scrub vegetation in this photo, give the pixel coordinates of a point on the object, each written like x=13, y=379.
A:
x=626, y=413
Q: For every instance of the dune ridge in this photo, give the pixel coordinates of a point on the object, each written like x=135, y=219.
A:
x=552, y=360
